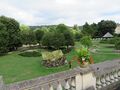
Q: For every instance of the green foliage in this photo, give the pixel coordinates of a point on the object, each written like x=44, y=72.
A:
x=61, y=28
x=88, y=30
x=58, y=40
x=69, y=40
x=13, y=30
x=30, y=53
x=39, y=34
x=78, y=36
x=86, y=41
x=46, y=40
x=106, y=26
x=117, y=44
x=75, y=27
x=106, y=41
x=110, y=41
x=53, y=39
x=83, y=52
x=3, y=39
x=27, y=36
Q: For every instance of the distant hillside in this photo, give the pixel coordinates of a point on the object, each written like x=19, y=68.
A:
x=48, y=26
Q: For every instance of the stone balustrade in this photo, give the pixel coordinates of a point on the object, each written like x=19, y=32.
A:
x=101, y=76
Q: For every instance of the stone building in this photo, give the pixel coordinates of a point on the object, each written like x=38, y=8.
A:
x=117, y=30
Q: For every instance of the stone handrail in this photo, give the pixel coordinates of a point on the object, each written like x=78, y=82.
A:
x=101, y=76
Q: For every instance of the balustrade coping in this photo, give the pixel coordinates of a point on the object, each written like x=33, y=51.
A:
x=106, y=67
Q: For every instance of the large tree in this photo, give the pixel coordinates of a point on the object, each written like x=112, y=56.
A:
x=3, y=39
x=58, y=40
x=88, y=30
x=106, y=26
x=39, y=34
x=27, y=35
x=69, y=39
x=13, y=30
x=53, y=40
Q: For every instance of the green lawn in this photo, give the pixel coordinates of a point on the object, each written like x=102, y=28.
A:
x=16, y=68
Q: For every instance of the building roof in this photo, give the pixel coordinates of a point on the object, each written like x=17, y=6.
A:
x=108, y=35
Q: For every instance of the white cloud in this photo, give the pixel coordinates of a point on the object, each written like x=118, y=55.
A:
x=37, y=12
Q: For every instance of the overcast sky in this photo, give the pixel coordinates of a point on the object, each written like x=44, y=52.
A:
x=70, y=12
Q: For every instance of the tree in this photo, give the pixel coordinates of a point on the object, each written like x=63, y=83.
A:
x=86, y=41
x=39, y=34
x=75, y=27
x=53, y=39
x=12, y=27
x=46, y=40
x=24, y=34
x=94, y=27
x=61, y=28
x=106, y=26
x=88, y=30
x=69, y=40
x=78, y=36
x=3, y=39
x=27, y=36
x=58, y=40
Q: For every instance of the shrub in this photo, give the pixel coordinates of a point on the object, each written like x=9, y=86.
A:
x=110, y=41
x=30, y=53
x=117, y=44
x=104, y=41
x=86, y=41
x=113, y=40
x=53, y=59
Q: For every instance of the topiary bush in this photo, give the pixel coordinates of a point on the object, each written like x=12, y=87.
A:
x=30, y=53
x=53, y=59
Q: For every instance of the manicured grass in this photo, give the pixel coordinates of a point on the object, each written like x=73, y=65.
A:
x=14, y=67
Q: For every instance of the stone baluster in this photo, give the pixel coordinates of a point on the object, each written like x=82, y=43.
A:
x=115, y=75
x=98, y=83
x=51, y=87
x=1, y=83
x=111, y=77
x=119, y=74
x=59, y=87
x=107, y=78
x=103, y=81
x=67, y=86
x=73, y=83
x=41, y=88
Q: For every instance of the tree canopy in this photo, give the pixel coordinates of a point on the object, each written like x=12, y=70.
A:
x=13, y=32
x=106, y=26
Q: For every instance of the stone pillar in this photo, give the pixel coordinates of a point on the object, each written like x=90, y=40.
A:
x=78, y=80
x=89, y=80
x=85, y=81
x=1, y=83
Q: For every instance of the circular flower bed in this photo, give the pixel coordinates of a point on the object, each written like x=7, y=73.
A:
x=30, y=53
